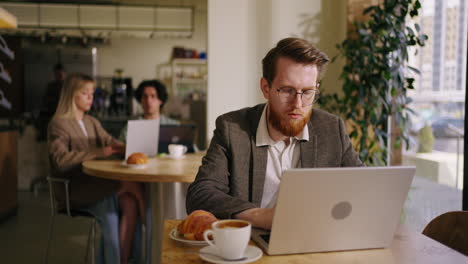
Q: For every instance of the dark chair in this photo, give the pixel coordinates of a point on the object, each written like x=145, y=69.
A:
x=67, y=211
x=450, y=229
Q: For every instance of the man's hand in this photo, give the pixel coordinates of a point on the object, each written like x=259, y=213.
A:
x=259, y=217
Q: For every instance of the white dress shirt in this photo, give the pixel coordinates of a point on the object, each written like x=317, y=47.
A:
x=280, y=158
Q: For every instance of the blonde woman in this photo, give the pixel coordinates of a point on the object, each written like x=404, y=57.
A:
x=73, y=137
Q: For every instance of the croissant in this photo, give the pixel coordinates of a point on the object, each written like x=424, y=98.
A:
x=195, y=224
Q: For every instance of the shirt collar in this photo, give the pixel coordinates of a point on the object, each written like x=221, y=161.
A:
x=263, y=137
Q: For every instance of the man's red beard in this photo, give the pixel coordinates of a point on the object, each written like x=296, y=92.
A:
x=291, y=127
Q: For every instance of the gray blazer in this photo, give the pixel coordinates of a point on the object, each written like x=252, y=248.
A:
x=68, y=147
x=232, y=174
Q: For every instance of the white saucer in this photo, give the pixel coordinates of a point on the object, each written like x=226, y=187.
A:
x=252, y=253
x=134, y=166
x=174, y=234
x=176, y=158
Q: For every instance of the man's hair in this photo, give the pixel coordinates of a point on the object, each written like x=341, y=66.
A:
x=160, y=89
x=298, y=50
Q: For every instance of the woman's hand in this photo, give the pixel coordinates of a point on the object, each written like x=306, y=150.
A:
x=114, y=149
x=118, y=148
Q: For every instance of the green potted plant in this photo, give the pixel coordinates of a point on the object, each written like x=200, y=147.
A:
x=376, y=78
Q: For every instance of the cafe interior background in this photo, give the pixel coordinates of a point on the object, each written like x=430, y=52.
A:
x=208, y=53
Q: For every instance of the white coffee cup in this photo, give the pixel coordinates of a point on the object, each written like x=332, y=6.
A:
x=176, y=150
x=230, y=237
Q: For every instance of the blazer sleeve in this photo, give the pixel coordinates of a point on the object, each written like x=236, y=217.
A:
x=62, y=157
x=105, y=138
x=349, y=158
x=211, y=190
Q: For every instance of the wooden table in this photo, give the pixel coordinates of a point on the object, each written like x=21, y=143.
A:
x=408, y=247
x=159, y=170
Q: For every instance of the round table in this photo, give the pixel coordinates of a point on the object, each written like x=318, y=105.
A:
x=158, y=171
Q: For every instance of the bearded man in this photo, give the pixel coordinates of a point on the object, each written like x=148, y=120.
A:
x=241, y=172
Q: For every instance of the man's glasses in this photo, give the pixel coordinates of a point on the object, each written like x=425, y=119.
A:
x=308, y=96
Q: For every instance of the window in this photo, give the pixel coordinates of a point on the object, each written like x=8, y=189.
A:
x=436, y=143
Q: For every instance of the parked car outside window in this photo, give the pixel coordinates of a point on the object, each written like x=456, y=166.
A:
x=447, y=126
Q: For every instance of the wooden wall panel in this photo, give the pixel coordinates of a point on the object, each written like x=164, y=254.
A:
x=8, y=172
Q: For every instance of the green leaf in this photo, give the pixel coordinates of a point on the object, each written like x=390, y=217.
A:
x=417, y=27
x=386, y=75
x=417, y=4
x=414, y=70
x=376, y=58
x=410, y=31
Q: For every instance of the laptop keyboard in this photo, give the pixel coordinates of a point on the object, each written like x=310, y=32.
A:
x=266, y=237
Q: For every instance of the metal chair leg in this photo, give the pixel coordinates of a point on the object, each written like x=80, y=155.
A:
x=93, y=245
x=90, y=242
x=49, y=237
x=68, y=212
x=143, y=237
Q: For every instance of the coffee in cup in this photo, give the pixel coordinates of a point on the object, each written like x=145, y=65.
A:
x=177, y=150
x=230, y=237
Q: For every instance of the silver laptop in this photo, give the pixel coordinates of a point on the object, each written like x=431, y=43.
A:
x=334, y=209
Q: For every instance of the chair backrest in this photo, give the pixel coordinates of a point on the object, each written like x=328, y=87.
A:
x=53, y=202
x=450, y=229
x=55, y=182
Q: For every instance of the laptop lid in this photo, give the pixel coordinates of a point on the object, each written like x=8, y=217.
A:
x=176, y=134
x=333, y=209
x=142, y=136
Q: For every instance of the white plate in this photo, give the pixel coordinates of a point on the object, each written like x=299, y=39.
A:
x=174, y=234
x=252, y=253
x=134, y=166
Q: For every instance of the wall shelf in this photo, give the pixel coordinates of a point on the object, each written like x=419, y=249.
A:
x=188, y=77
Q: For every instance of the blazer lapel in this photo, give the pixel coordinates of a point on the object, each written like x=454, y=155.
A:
x=259, y=156
x=309, y=148
x=78, y=132
x=90, y=129
x=309, y=152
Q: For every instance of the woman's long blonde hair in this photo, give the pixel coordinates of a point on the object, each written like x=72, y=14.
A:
x=73, y=84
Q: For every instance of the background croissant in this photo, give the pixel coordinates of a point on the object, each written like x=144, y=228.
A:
x=195, y=224
x=137, y=158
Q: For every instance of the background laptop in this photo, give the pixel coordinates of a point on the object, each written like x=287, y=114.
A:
x=177, y=134
x=142, y=136
x=332, y=209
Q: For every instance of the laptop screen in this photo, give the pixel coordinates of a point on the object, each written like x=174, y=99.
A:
x=334, y=209
x=183, y=134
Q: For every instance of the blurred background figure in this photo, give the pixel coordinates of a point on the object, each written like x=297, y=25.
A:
x=54, y=87
x=50, y=101
x=118, y=206
x=152, y=95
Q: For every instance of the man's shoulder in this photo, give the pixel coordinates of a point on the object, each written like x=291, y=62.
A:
x=319, y=115
x=166, y=120
x=244, y=120
x=243, y=115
